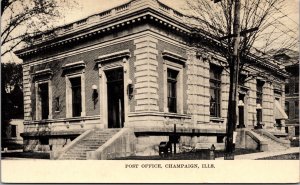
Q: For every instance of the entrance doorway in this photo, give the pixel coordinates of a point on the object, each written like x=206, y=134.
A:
x=115, y=97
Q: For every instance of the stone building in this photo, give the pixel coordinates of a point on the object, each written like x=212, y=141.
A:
x=134, y=67
x=290, y=59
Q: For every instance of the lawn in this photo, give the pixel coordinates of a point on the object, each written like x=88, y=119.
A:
x=197, y=155
x=33, y=155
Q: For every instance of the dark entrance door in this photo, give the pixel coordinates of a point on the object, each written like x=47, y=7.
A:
x=115, y=95
x=44, y=100
x=76, y=96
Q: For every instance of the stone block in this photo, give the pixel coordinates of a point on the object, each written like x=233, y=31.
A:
x=145, y=44
x=146, y=50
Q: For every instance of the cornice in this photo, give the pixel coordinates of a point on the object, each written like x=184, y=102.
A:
x=131, y=13
x=107, y=21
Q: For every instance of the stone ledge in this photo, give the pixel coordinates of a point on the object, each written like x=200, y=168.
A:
x=52, y=133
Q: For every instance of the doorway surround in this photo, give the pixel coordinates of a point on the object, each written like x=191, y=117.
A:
x=110, y=62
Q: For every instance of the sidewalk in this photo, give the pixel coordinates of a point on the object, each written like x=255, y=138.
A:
x=260, y=155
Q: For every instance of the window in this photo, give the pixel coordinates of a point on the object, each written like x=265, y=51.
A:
x=43, y=100
x=296, y=130
x=44, y=141
x=75, y=89
x=287, y=108
x=259, y=115
x=296, y=109
x=259, y=100
x=43, y=94
x=57, y=105
x=76, y=96
x=242, y=79
x=13, y=131
x=287, y=88
x=172, y=90
x=215, y=89
x=259, y=92
x=296, y=87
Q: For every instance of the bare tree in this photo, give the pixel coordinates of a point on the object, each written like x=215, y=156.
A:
x=258, y=23
x=25, y=18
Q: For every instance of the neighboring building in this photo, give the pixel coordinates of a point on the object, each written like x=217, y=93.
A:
x=290, y=59
x=11, y=135
x=12, y=112
x=135, y=66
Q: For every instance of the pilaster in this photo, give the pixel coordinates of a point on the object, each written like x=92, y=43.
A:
x=251, y=103
x=27, y=93
x=146, y=74
x=198, y=88
x=268, y=105
x=225, y=83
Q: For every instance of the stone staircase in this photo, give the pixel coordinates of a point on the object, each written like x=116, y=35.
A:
x=89, y=143
x=274, y=144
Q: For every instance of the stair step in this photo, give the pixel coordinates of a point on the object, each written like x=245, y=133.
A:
x=90, y=143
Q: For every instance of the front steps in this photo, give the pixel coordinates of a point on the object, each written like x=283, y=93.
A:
x=274, y=143
x=91, y=142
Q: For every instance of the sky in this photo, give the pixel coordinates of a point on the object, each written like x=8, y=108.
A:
x=90, y=7
x=86, y=8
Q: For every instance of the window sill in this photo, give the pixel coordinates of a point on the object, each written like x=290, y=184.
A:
x=217, y=119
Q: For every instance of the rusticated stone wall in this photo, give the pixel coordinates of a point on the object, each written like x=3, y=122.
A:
x=198, y=88
x=27, y=92
x=146, y=75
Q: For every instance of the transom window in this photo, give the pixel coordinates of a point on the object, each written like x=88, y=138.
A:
x=172, y=94
x=215, y=89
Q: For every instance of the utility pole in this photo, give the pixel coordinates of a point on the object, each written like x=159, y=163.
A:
x=234, y=73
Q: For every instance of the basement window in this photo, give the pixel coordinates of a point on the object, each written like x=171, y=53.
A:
x=44, y=141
